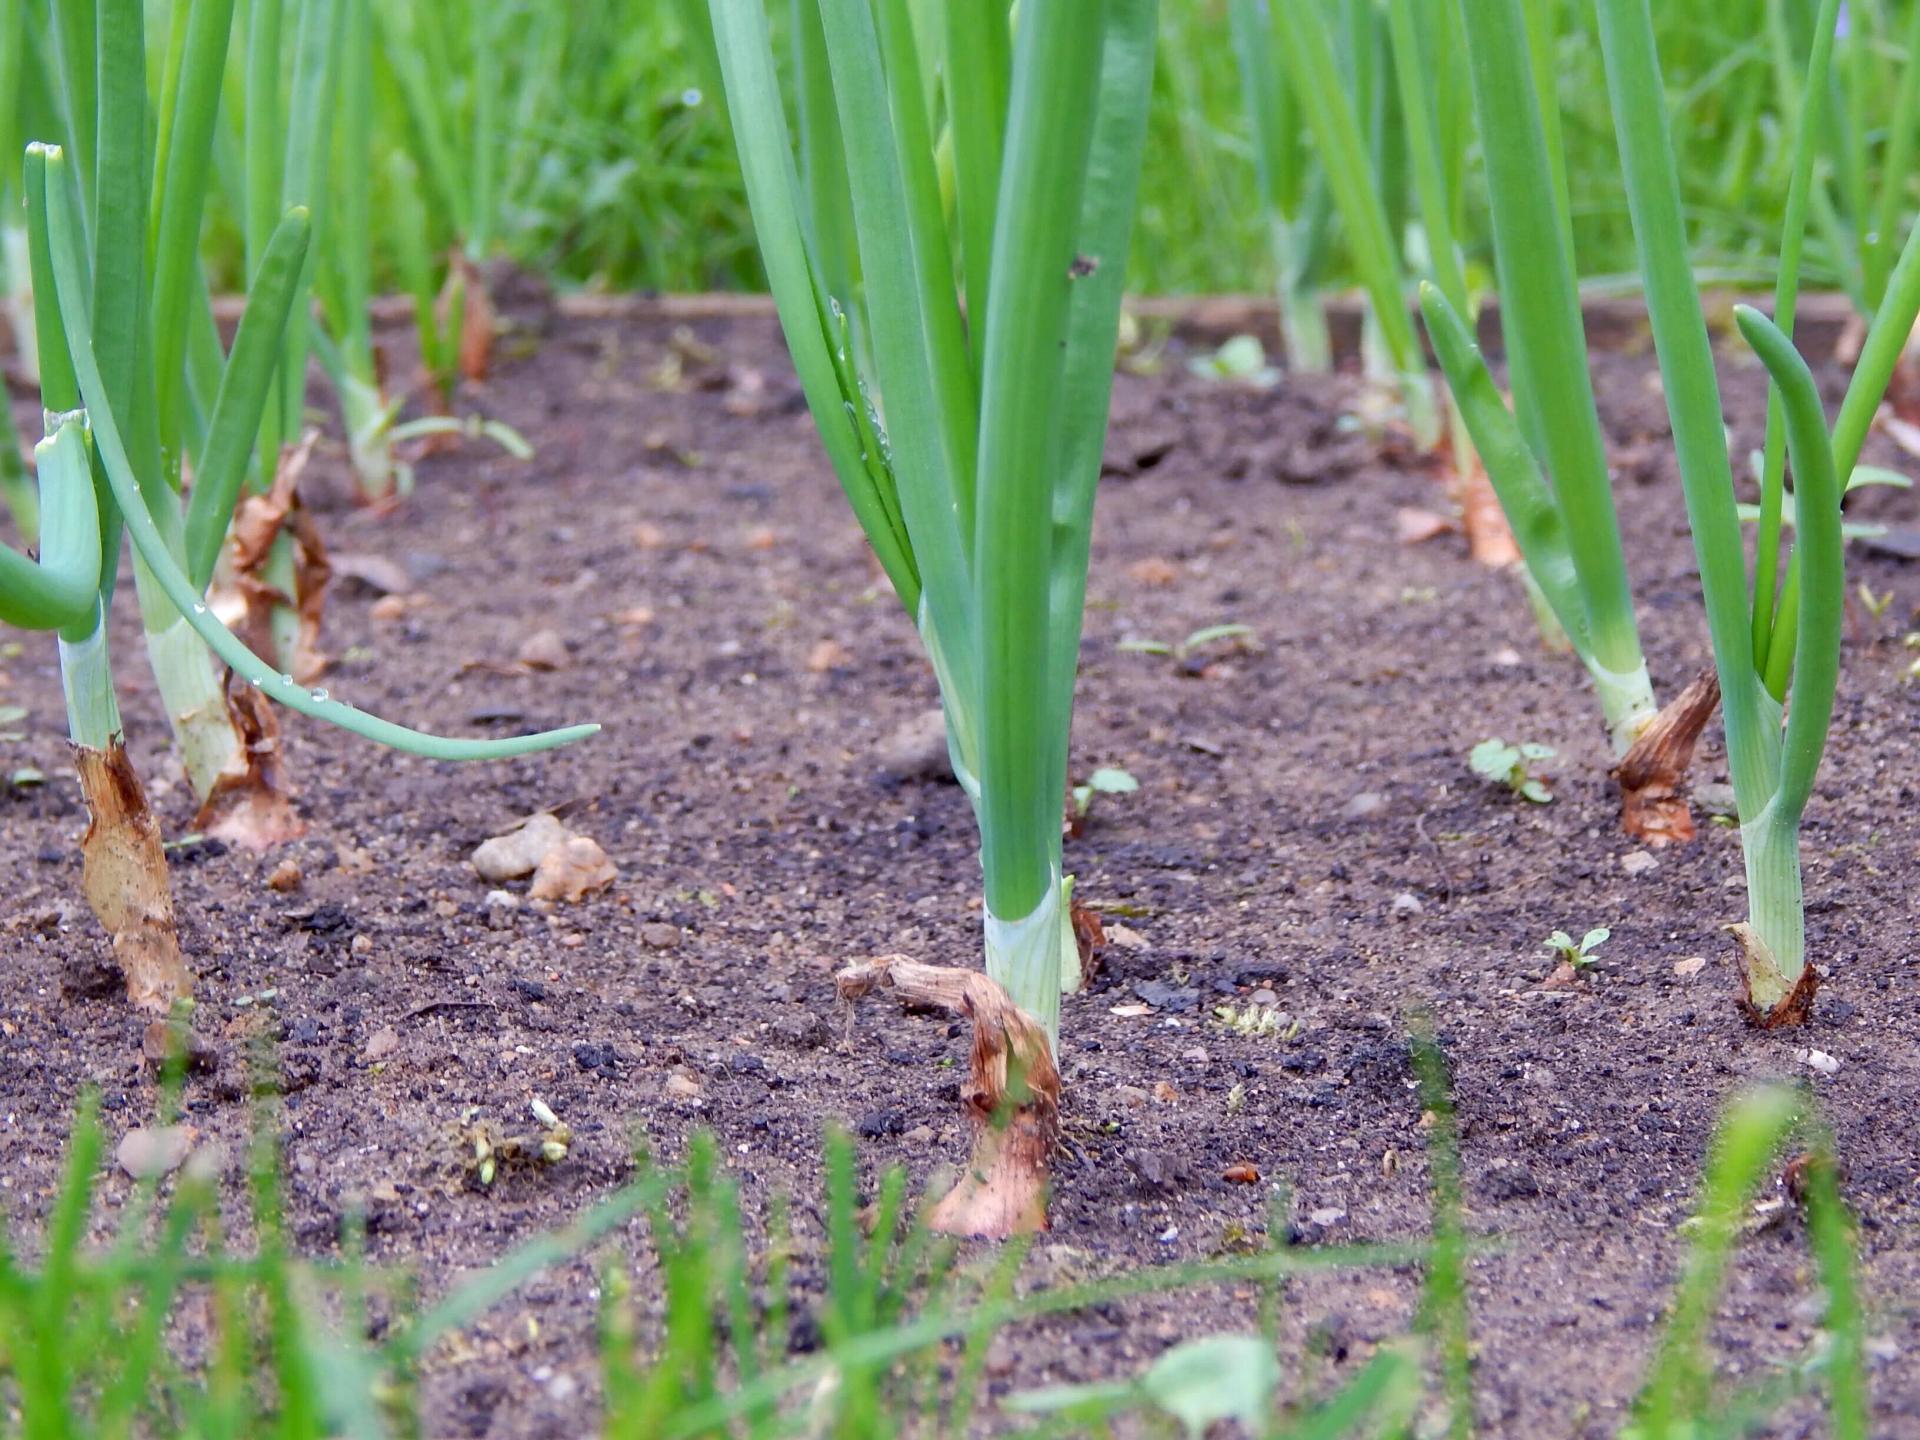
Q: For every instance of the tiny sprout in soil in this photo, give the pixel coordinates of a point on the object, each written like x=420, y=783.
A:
x=1578, y=954
x=1512, y=766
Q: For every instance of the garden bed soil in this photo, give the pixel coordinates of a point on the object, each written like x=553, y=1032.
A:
x=1306, y=826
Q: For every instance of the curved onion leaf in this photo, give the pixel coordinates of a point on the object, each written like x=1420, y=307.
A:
x=64, y=227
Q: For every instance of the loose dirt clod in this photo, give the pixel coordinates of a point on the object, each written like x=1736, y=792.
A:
x=573, y=870
x=149, y=1153
x=917, y=749
x=518, y=853
x=1012, y=1094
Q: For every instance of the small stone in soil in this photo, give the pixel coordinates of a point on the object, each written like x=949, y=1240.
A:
x=382, y=1043
x=799, y=1030
x=1407, y=903
x=1178, y=999
x=1157, y=1169
x=917, y=749
x=1638, y=862
x=659, y=935
x=1508, y=1181
x=299, y=1069
x=600, y=1059
x=519, y=852
x=876, y=1123
x=157, y=1044
x=500, y=907
x=324, y=919
x=148, y=1153
x=572, y=870
x=1367, y=802
x=544, y=650
x=286, y=877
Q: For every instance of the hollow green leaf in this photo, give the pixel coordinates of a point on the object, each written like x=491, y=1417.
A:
x=69, y=286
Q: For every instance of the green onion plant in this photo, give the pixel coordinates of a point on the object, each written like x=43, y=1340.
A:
x=1337, y=98
x=345, y=344
x=1776, y=644
x=1293, y=191
x=113, y=241
x=1567, y=531
x=1773, y=764
x=968, y=443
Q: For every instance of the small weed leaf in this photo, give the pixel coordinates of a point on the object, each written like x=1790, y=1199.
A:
x=1510, y=765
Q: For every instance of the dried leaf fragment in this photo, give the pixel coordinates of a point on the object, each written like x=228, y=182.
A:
x=1489, y=538
x=1089, y=939
x=123, y=872
x=1413, y=526
x=1012, y=1094
x=1653, y=773
x=1766, y=999
x=376, y=572
x=251, y=801
x=260, y=523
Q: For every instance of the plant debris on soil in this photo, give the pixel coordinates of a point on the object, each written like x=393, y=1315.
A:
x=1307, y=861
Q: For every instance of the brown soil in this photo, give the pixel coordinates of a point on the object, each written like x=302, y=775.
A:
x=1306, y=824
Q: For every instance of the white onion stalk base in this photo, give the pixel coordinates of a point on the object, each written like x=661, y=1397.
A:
x=86, y=678
x=1626, y=700
x=1029, y=957
x=196, y=704
x=1775, y=942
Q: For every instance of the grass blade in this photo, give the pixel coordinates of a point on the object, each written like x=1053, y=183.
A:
x=1743, y=1146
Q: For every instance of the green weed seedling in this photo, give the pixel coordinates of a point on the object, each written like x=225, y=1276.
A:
x=1104, y=781
x=1512, y=766
x=1578, y=954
